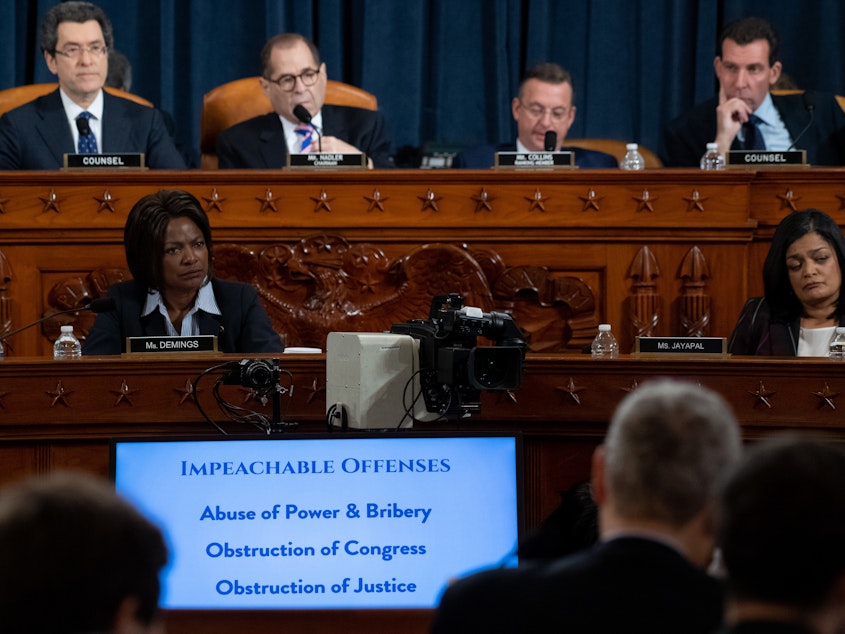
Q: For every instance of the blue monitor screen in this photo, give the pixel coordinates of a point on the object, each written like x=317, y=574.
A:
x=329, y=522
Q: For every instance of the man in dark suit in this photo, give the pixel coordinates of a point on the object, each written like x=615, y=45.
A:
x=294, y=76
x=655, y=480
x=75, y=38
x=782, y=521
x=544, y=103
x=747, y=67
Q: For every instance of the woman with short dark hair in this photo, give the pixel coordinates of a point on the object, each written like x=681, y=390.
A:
x=174, y=292
x=802, y=279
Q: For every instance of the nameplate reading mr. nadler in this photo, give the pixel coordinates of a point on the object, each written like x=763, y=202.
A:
x=133, y=161
x=535, y=160
x=325, y=160
x=681, y=345
x=765, y=158
x=200, y=343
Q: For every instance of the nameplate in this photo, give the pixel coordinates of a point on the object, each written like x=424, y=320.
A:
x=326, y=160
x=134, y=161
x=767, y=158
x=535, y=160
x=155, y=345
x=681, y=345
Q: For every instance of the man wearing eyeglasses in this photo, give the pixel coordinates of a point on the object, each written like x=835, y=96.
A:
x=544, y=103
x=294, y=76
x=80, y=117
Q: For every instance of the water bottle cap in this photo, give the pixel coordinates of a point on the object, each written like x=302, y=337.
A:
x=604, y=327
x=712, y=146
x=631, y=146
x=67, y=328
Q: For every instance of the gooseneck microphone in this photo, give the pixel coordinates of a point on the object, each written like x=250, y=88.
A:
x=810, y=107
x=550, y=141
x=301, y=113
x=83, y=126
x=99, y=305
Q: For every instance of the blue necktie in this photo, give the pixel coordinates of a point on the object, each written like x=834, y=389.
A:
x=87, y=142
x=753, y=137
x=303, y=131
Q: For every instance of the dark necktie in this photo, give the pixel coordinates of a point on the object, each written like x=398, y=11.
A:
x=753, y=137
x=87, y=142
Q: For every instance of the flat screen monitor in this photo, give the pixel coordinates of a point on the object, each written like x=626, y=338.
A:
x=347, y=521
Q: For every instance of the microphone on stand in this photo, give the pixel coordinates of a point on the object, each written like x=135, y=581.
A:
x=550, y=141
x=301, y=113
x=809, y=106
x=99, y=305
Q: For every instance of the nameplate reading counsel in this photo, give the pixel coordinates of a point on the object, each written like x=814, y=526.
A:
x=133, y=161
x=765, y=158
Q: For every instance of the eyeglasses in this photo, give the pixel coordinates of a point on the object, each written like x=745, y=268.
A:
x=538, y=112
x=288, y=82
x=75, y=52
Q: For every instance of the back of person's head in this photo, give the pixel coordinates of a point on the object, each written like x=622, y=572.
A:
x=72, y=552
x=146, y=227
x=782, y=531
x=120, y=71
x=80, y=12
x=749, y=29
x=667, y=450
x=549, y=73
x=777, y=287
x=285, y=40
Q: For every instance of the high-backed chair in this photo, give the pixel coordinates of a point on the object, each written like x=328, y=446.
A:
x=614, y=148
x=19, y=95
x=242, y=99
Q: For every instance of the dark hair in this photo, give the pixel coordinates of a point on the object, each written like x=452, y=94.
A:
x=781, y=298
x=120, y=71
x=285, y=40
x=48, y=34
x=747, y=30
x=782, y=522
x=71, y=551
x=549, y=73
x=146, y=226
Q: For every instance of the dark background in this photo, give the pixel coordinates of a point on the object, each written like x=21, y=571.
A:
x=444, y=71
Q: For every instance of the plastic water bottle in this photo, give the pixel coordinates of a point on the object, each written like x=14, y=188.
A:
x=604, y=345
x=712, y=160
x=67, y=346
x=632, y=160
x=837, y=345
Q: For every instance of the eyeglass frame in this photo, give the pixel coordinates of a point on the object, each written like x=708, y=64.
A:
x=95, y=50
x=538, y=112
x=293, y=78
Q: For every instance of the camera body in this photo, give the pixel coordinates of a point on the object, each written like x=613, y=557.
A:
x=257, y=374
x=453, y=368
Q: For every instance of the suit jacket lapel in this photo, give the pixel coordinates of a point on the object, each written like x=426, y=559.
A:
x=115, y=131
x=273, y=147
x=52, y=126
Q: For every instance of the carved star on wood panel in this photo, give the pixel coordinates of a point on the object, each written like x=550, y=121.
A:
x=214, y=202
x=826, y=396
x=316, y=391
x=762, y=395
x=645, y=202
x=268, y=203
x=841, y=203
x=430, y=200
x=51, y=202
x=695, y=202
x=633, y=387
x=123, y=394
x=2, y=396
x=187, y=392
x=788, y=200
x=538, y=201
x=572, y=390
x=376, y=201
x=107, y=202
x=591, y=200
x=59, y=395
x=483, y=201
x=3, y=202
x=322, y=202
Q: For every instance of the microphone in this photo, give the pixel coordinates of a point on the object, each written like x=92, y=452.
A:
x=99, y=305
x=809, y=106
x=550, y=141
x=301, y=113
x=83, y=126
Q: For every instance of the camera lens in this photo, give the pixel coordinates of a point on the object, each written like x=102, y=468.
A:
x=257, y=374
